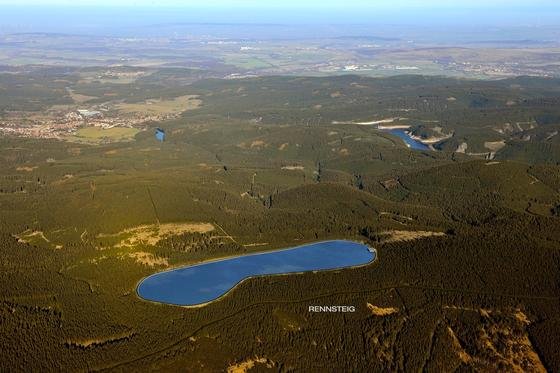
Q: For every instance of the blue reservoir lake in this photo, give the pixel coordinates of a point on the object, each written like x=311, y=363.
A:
x=412, y=143
x=202, y=283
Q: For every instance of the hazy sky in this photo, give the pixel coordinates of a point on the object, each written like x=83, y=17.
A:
x=534, y=4
x=132, y=16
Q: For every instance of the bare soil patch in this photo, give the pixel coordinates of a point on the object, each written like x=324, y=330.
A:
x=151, y=235
x=247, y=365
x=382, y=311
x=402, y=236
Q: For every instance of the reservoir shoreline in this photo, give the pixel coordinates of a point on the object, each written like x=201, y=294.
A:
x=179, y=269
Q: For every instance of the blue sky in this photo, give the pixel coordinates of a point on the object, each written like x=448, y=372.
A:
x=91, y=16
x=448, y=4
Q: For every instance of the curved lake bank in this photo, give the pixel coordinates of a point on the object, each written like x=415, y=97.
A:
x=410, y=142
x=202, y=283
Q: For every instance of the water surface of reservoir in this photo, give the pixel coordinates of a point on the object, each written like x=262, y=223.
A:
x=412, y=143
x=202, y=283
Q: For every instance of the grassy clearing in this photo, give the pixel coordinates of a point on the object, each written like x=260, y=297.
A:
x=174, y=106
x=36, y=238
x=96, y=135
x=248, y=62
x=246, y=366
x=400, y=236
x=79, y=98
x=382, y=311
x=148, y=259
x=495, y=146
x=152, y=234
x=26, y=168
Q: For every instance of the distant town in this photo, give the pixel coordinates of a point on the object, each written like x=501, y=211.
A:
x=62, y=125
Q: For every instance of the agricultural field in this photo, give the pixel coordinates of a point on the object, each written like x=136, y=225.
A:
x=176, y=105
x=215, y=51
x=96, y=134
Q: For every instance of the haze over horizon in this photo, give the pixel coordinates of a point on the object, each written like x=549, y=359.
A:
x=131, y=17
x=539, y=4
x=405, y=19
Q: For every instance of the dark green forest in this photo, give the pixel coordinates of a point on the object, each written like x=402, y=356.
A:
x=467, y=276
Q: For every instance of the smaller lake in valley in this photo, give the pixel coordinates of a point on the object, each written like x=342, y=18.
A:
x=412, y=143
x=202, y=283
